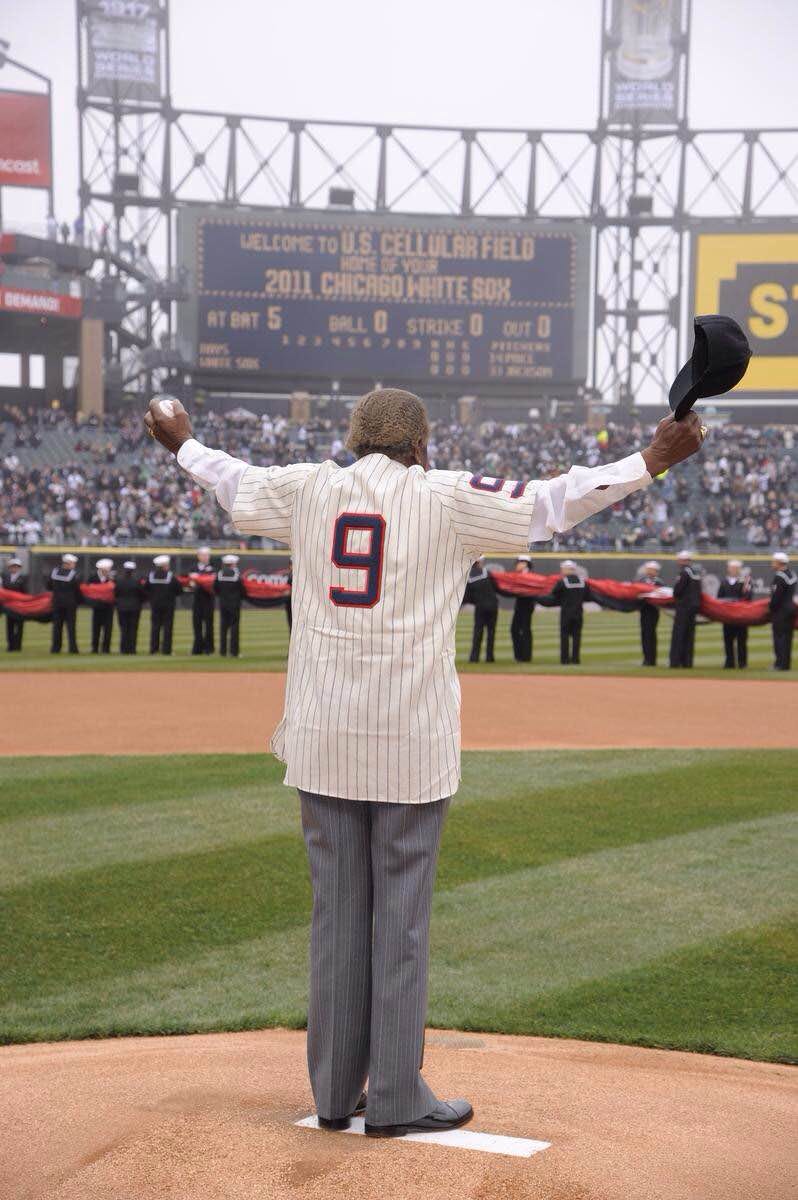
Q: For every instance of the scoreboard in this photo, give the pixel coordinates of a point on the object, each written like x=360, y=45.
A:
x=306, y=296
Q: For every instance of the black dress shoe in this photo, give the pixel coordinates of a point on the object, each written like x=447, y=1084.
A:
x=338, y=1123
x=448, y=1114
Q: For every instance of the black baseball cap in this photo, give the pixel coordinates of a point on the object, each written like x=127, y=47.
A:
x=718, y=362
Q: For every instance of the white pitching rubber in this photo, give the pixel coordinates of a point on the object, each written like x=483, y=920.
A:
x=460, y=1139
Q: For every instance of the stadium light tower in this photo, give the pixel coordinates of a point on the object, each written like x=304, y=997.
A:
x=641, y=182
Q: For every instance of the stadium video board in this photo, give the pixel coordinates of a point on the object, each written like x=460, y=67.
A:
x=753, y=276
x=363, y=298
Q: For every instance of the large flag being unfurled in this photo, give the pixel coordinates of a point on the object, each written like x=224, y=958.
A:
x=273, y=590
x=627, y=597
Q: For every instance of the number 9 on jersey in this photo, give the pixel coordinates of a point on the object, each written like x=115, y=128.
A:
x=369, y=562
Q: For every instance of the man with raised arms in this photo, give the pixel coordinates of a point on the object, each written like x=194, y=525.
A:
x=371, y=732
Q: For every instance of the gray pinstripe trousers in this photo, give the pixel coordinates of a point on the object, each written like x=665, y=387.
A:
x=372, y=867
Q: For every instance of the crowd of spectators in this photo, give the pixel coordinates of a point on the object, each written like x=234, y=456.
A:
x=115, y=487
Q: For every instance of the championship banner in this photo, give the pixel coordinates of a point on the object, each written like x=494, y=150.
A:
x=25, y=140
x=645, y=65
x=753, y=276
x=124, y=49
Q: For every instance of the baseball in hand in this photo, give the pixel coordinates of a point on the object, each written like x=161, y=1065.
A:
x=168, y=422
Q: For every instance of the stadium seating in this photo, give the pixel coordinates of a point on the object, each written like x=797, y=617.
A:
x=103, y=482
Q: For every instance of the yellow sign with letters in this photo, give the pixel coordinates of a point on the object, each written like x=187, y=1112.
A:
x=753, y=277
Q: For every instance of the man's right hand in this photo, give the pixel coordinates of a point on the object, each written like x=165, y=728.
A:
x=673, y=442
x=170, y=429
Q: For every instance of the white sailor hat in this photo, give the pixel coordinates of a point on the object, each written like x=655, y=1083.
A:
x=204, y=550
x=684, y=556
x=780, y=557
x=568, y=562
x=161, y=560
x=229, y=560
x=527, y=558
x=71, y=559
x=129, y=564
x=651, y=565
x=105, y=564
x=734, y=562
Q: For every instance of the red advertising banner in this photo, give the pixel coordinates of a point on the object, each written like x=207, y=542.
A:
x=40, y=304
x=25, y=139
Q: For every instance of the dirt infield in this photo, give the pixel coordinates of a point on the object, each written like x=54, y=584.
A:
x=211, y=1117
x=162, y=712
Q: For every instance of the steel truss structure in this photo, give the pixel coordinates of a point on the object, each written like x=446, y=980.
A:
x=642, y=189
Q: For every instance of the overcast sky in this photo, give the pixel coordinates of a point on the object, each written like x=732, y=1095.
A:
x=462, y=62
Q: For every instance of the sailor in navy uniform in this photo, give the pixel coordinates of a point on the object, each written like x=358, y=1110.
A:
x=687, y=594
x=782, y=610
x=735, y=586
x=481, y=593
x=649, y=615
x=521, y=624
x=229, y=588
x=163, y=588
x=570, y=592
x=129, y=594
x=14, y=580
x=202, y=605
x=102, y=615
x=63, y=582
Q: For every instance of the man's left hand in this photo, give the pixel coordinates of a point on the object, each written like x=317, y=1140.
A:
x=673, y=442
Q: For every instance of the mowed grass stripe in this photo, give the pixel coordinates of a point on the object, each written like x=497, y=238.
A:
x=39, y=786
x=246, y=985
x=610, y=643
x=726, y=995
x=52, y=846
x=111, y=920
x=549, y=806
x=105, y=922
x=558, y=923
x=497, y=944
x=43, y=786
x=491, y=835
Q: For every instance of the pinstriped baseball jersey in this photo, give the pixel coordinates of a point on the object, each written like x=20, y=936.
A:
x=381, y=556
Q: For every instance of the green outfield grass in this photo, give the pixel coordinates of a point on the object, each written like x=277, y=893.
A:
x=610, y=646
x=628, y=896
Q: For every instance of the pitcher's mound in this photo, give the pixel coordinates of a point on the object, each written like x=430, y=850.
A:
x=211, y=1117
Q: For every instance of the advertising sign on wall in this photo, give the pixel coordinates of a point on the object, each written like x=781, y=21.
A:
x=753, y=276
x=25, y=140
